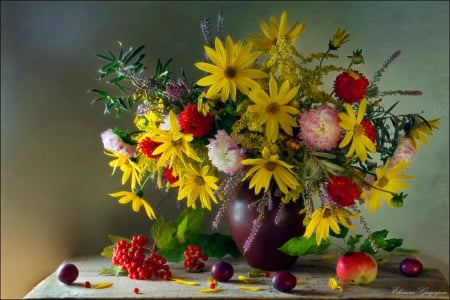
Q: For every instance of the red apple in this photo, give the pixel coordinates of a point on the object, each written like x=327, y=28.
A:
x=356, y=268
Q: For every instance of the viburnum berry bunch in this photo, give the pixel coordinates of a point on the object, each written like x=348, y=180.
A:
x=140, y=261
x=194, y=260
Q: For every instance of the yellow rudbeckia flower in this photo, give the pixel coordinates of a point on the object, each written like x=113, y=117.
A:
x=355, y=134
x=325, y=218
x=268, y=167
x=389, y=182
x=230, y=69
x=273, y=31
x=274, y=110
x=136, y=202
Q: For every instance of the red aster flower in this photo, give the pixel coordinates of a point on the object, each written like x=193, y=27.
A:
x=351, y=86
x=147, y=146
x=194, y=122
x=369, y=129
x=343, y=190
x=169, y=175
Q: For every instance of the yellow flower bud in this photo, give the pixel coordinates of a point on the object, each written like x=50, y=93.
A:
x=339, y=38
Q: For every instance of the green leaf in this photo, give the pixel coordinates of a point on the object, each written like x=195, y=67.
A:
x=299, y=246
x=116, y=238
x=342, y=234
x=162, y=232
x=195, y=220
x=173, y=251
x=218, y=245
x=131, y=54
x=181, y=230
x=107, y=251
x=380, y=241
x=112, y=271
x=407, y=251
x=105, y=58
x=352, y=241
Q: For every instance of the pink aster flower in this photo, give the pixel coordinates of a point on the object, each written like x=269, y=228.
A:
x=319, y=128
x=405, y=151
x=224, y=153
x=113, y=142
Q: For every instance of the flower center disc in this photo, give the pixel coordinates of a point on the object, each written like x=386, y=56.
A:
x=230, y=72
x=271, y=166
x=272, y=108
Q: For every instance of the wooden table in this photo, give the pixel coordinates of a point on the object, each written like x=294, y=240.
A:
x=312, y=273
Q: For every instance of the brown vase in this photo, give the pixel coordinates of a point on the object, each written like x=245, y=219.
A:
x=263, y=252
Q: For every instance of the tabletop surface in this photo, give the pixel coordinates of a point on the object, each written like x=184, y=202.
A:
x=312, y=274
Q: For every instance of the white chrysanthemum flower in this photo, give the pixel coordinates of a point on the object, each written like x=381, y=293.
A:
x=224, y=153
x=165, y=125
x=112, y=142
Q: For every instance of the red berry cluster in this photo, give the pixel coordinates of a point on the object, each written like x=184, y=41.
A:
x=131, y=257
x=194, y=260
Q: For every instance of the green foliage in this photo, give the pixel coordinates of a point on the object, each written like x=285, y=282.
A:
x=376, y=241
x=299, y=246
x=122, y=72
x=379, y=239
x=112, y=271
x=173, y=238
x=108, y=250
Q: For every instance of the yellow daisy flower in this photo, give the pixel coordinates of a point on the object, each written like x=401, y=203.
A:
x=268, y=167
x=421, y=131
x=360, y=143
x=174, y=144
x=325, y=218
x=389, y=182
x=273, y=31
x=273, y=110
x=229, y=69
x=136, y=202
x=197, y=184
x=128, y=167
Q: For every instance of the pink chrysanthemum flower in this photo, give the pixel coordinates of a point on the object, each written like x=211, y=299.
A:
x=405, y=151
x=225, y=154
x=112, y=142
x=319, y=128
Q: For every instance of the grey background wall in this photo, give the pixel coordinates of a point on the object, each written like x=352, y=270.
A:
x=54, y=176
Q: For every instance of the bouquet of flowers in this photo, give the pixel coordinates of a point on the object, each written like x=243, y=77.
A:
x=261, y=115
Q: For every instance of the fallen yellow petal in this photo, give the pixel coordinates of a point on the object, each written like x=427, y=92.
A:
x=332, y=283
x=102, y=285
x=383, y=261
x=250, y=288
x=211, y=290
x=299, y=281
x=185, y=282
x=328, y=256
x=246, y=279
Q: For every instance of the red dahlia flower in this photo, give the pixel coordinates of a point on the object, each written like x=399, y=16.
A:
x=194, y=122
x=147, y=146
x=343, y=190
x=369, y=129
x=169, y=176
x=350, y=86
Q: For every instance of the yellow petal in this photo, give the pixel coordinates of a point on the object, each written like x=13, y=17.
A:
x=102, y=285
x=332, y=284
x=250, y=288
x=217, y=290
x=184, y=282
